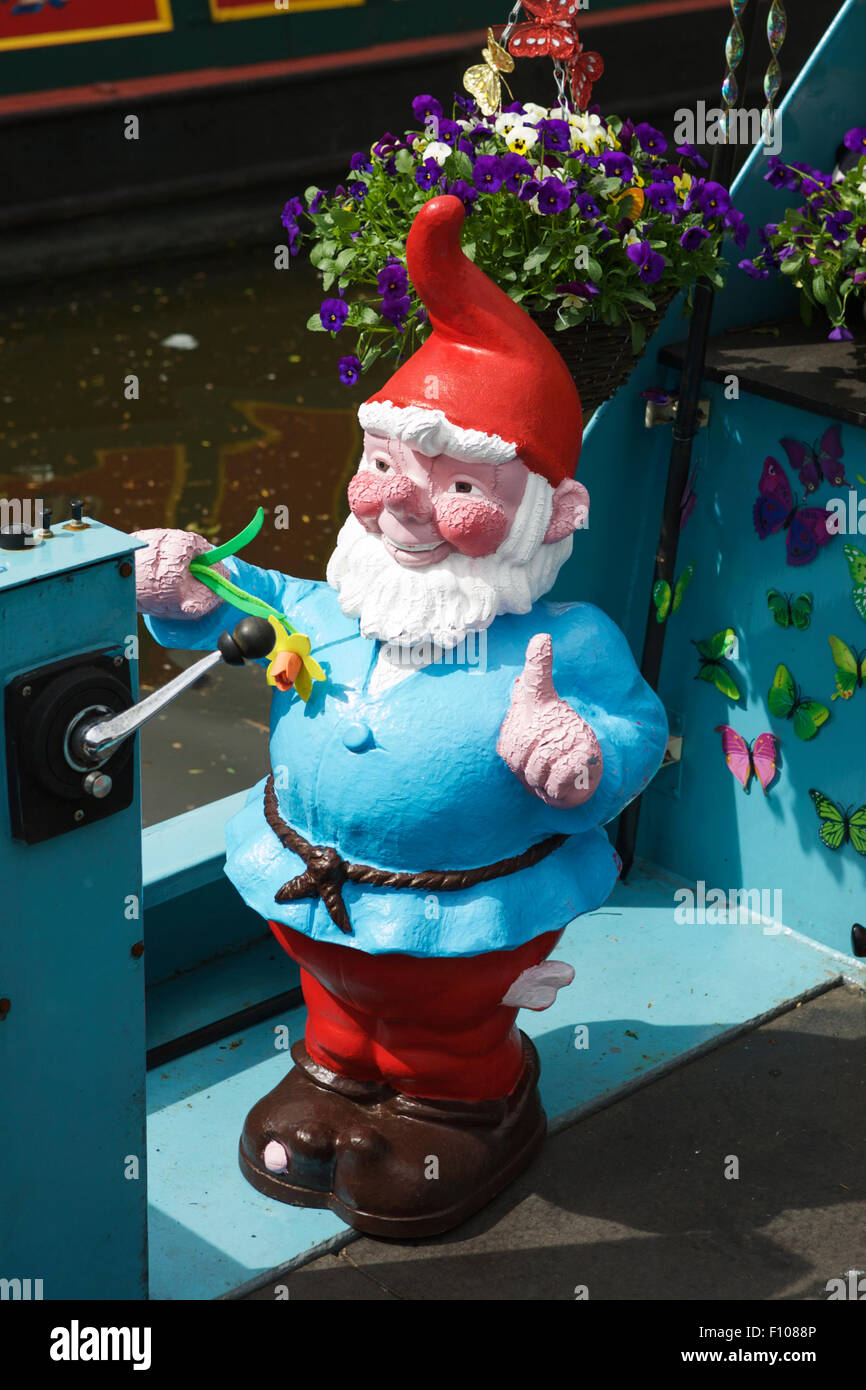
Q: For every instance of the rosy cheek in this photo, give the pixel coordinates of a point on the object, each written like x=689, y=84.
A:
x=365, y=498
x=474, y=527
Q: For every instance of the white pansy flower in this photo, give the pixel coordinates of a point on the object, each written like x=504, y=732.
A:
x=532, y=112
x=507, y=122
x=521, y=139
x=438, y=150
x=630, y=238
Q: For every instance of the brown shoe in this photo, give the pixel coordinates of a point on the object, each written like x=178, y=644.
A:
x=393, y=1165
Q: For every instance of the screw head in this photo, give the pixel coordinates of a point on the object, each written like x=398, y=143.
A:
x=118, y=661
x=137, y=950
x=26, y=690
x=96, y=784
x=79, y=816
x=125, y=570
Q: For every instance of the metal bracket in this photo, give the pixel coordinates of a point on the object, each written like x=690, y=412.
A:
x=664, y=412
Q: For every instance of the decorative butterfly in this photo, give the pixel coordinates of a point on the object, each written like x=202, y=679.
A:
x=857, y=570
x=551, y=34
x=483, y=80
x=776, y=510
x=837, y=826
x=787, y=610
x=850, y=666
x=821, y=458
x=712, y=652
x=632, y=200
x=744, y=758
x=785, y=701
x=586, y=69
x=667, y=602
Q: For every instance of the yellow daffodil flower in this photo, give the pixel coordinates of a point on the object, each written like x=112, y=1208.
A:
x=285, y=672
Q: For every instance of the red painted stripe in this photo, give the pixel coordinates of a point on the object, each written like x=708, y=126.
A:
x=103, y=93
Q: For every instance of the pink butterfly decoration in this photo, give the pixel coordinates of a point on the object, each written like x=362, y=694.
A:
x=743, y=758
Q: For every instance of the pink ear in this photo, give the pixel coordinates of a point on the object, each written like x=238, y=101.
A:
x=570, y=511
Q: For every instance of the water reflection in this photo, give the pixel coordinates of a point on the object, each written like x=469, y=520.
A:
x=250, y=412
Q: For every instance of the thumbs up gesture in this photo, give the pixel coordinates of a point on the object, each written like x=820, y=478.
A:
x=543, y=740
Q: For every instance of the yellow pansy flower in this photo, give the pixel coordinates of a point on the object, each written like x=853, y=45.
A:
x=290, y=664
x=682, y=183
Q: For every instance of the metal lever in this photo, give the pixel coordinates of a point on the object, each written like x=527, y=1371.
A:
x=91, y=738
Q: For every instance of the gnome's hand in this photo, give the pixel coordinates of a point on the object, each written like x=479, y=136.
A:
x=543, y=740
x=164, y=587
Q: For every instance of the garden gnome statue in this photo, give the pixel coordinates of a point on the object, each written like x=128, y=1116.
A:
x=433, y=816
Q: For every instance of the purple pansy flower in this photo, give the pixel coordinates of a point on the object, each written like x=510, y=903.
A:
x=692, y=238
x=316, y=201
x=333, y=314
x=837, y=224
x=392, y=280
x=554, y=134
x=465, y=192
x=396, y=308
x=737, y=225
x=757, y=272
x=428, y=174
x=358, y=189
x=649, y=263
x=582, y=289
x=349, y=369
x=424, y=107
x=360, y=161
x=487, y=173
x=291, y=212
x=840, y=334
x=691, y=152
x=553, y=196
x=855, y=139
x=617, y=165
x=514, y=168
x=662, y=196
x=650, y=140
x=587, y=206
x=778, y=174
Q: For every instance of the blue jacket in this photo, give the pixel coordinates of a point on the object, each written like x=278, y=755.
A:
x=410, y=779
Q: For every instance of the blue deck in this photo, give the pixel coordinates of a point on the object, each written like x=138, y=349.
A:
x=679, y=990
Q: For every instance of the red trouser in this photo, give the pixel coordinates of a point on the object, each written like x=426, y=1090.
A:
x=428, y=1026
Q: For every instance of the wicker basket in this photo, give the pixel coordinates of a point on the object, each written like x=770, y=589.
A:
x=597, y=354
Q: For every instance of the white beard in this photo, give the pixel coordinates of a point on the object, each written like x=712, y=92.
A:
x=442, y=603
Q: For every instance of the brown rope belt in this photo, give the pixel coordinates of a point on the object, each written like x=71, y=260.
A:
x=327, y=871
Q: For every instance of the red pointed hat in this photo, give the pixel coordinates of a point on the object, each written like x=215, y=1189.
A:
x=487, y=385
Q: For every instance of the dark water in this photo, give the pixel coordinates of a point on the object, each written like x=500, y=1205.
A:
x=254, y=415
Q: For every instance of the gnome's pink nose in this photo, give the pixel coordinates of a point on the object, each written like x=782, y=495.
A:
x=405, y=499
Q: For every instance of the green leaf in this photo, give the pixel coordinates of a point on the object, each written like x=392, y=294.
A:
x=345, y=218
x=368, y=315
x=458, y=165
x=594, y=269
x=328, y=280
x=638, y=336
x=469, y=250
x=819, y=289
x=314, y=323
x=536, y=258
x=345, y=258
x=404, y=161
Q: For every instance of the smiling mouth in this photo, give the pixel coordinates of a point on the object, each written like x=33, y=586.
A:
x=431, y=545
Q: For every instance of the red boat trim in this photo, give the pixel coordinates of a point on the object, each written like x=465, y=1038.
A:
x=106, y=93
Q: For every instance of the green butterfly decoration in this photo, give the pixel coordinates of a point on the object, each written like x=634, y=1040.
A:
x=788, y=611
x=857, y=570
x=837, y=826
x=712, y=652
x=850, y=667
x=667, y=602
x=786, y=702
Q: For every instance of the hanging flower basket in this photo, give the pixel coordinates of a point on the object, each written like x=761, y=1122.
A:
x=600, y=356
x=586, y=221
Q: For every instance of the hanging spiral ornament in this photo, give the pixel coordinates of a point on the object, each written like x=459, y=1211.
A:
x=734, y=49
x=777, y=26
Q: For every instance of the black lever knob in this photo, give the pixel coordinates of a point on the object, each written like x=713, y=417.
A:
x=250, y=640
x=77, y=523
